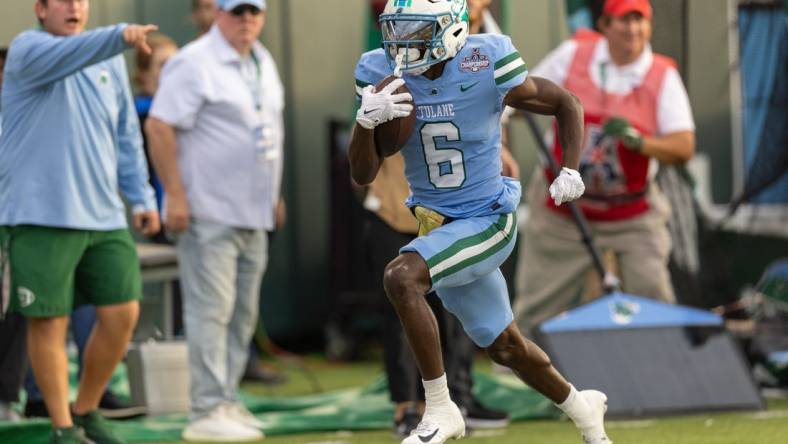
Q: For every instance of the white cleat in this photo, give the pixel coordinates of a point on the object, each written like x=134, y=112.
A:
x=438, y=425
x=592, y=429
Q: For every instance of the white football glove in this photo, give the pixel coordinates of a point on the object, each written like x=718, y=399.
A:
x=567, y=187
x=382, y=106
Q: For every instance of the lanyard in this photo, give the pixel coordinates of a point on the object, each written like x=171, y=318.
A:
x=263, y=132
x=255, y=85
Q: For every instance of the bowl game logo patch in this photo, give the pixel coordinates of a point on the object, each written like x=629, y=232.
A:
x=475, y=62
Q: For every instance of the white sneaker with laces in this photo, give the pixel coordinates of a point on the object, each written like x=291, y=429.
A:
x=240, y=413
x=438, y=425
x=218, y=427
x=592, y=428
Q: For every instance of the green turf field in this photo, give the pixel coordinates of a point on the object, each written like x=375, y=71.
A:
x=768, y=427
x=759, y=428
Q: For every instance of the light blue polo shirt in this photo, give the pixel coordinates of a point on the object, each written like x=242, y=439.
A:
x=71, y=139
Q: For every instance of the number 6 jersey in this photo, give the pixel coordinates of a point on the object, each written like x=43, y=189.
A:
x=453, y=156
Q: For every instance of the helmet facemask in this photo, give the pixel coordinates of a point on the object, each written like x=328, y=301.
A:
x=409, y=43
x=414, y=42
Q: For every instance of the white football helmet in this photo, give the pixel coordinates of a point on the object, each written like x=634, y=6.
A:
x=420, y=33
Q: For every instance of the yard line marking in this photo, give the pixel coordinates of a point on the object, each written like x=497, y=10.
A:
x=768, y=415
x=641, y=424
x=487, y=433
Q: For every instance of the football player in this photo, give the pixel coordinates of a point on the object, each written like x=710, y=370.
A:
x=459, y=85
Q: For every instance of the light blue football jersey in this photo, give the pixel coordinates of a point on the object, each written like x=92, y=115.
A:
x=453, y=156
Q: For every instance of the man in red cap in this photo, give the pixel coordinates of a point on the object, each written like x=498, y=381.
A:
x=637, y=115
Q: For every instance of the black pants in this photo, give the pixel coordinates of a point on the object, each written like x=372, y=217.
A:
x=13, y=356
x=400, y=365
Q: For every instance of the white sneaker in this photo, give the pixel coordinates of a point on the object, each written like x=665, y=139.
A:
x=218, y=427
x=239, y=413
x=592, y=429
x=7, y=413
x=438, y=425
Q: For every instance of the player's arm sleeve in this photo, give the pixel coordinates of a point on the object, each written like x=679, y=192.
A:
x=132, y=167
x=510, y=70
x=181, y=94
x=360, y=85
x=38, y=58
x=364, y=75
x=674, y=113
x=555, y=65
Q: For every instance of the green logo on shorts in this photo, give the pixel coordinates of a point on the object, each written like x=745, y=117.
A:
x=26, y=297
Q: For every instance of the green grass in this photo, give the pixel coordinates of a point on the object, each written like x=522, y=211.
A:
x=768, y=427
x=714, y=429
x=745, y=428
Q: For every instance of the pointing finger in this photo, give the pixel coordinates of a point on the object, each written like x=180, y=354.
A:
x=143, y=46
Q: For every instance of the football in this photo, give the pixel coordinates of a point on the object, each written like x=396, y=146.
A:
x=391, y=136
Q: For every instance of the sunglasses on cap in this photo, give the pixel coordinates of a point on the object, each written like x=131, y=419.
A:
x=240, y=10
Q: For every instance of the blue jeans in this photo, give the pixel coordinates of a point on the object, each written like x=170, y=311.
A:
x=82, y=321
x=221, y=270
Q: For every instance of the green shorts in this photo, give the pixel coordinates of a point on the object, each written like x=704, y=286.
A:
x=54, y=270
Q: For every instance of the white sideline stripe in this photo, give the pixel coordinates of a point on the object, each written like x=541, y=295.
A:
x=637, y=424
x=488, y=433
x=509, y=67
x=359, y=90
x=474, y=250
x=773, y=414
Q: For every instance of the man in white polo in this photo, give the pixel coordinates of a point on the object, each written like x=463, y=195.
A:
x=216, y=135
